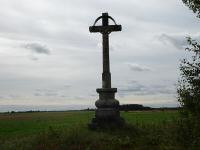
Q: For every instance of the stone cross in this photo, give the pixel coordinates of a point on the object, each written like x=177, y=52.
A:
x=107, y=113
x=105, y=30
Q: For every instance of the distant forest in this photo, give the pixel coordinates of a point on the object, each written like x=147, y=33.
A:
x=139, y=107
x=124, y=107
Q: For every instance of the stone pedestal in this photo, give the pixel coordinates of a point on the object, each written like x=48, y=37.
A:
x=107, y=114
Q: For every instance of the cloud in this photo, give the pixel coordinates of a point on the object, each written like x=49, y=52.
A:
x=46, y=92
x=53, y=92
x=2, y=97
x=14, y=96
x=37, y=48
x=137, y=67
x=37, y=94
x=61, y=28
x=67, y=86
x=136, y=88
x=177, y=40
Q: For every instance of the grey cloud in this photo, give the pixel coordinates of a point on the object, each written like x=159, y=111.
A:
x=137, y=67
x=45, y=92
x=37, y=94
x=51, y=94
x=13, y=96
x=133, y=87
x=38, y=90
x=79, y=97
x=63, y=96
x=136, y=88
x=2, y=97
x=58, y=92
x=37, y=48
x=67, y=86
x=177, y=40
x=33, y=58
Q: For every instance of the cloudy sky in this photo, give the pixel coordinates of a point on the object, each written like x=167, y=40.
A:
x=48, y=56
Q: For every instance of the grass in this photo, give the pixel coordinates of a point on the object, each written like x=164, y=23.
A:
x=149, y=117
x=68, y=130
x=28, y=123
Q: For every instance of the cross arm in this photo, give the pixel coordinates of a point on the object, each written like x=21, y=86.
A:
x=109, y=28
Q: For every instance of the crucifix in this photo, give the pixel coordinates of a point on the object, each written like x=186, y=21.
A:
x=107, y=112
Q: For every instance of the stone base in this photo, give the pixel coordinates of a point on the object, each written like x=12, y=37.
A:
x=107, y=114
x=106, y=118
x=106, y=123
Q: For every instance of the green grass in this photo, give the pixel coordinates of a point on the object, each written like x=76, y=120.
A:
x=29, y=123
x=149, y=117
x=58, y=130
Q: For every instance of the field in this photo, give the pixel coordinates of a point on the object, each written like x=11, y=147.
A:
x=62, y=130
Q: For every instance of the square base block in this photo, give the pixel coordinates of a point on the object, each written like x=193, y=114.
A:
x=107, y=118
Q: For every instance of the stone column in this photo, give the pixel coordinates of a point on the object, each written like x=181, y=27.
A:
x=106, y=76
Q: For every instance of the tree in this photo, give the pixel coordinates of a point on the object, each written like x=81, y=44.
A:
x=189, y=84
x=189, y=90
x=194, y=5
x=189, y=97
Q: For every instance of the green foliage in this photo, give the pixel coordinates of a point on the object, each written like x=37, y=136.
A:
x=188, y=130
x=194, y=5
x=189, y=84
x=189, y=97
x=189, y=90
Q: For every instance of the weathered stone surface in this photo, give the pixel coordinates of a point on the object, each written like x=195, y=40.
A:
x=107, y=113
x=102, y=123
x=107, y=98
x=110, y=28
